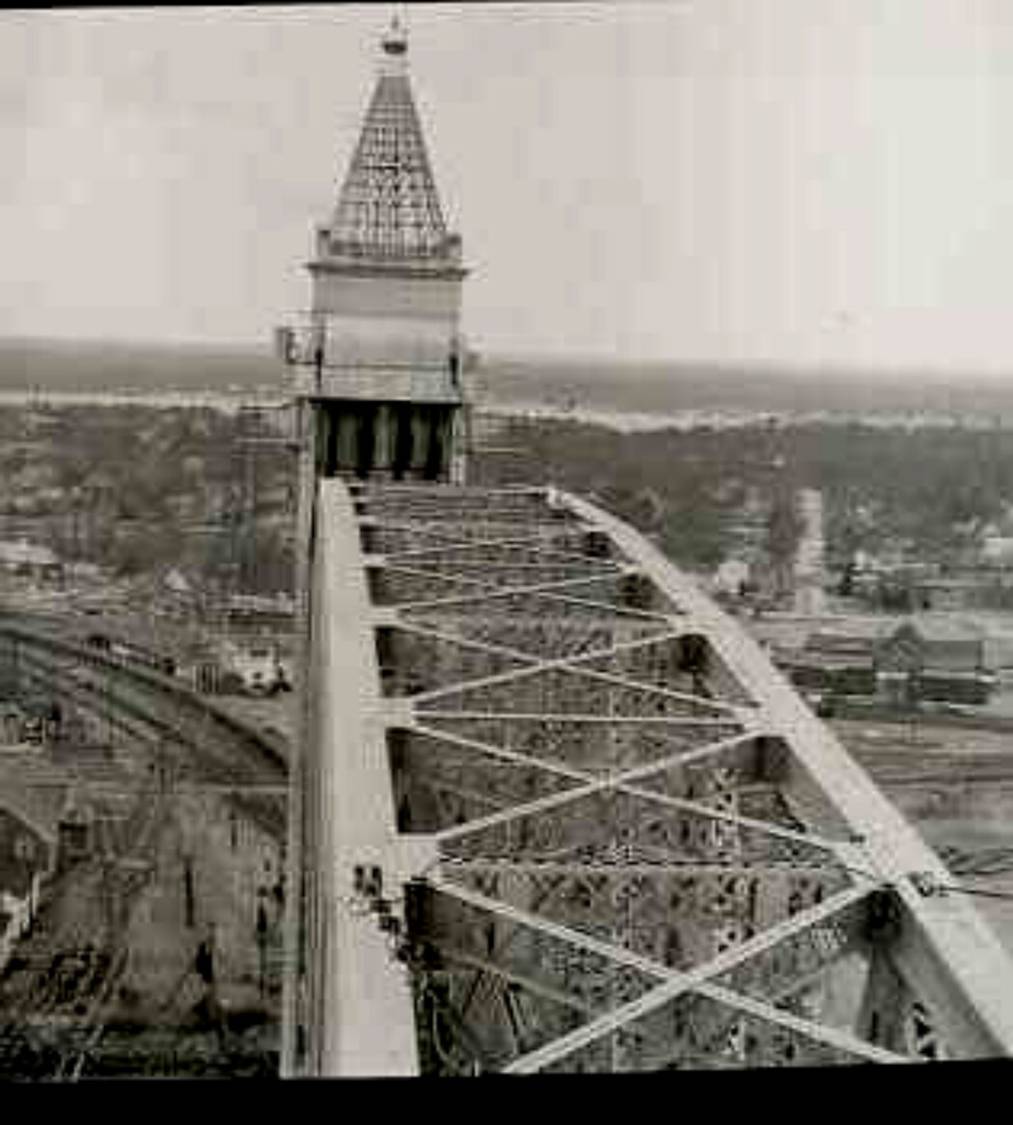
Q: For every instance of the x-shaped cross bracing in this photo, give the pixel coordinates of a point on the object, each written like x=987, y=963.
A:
x=822, y=785
x=620, y=782
x=536, y=665
x=675, y=983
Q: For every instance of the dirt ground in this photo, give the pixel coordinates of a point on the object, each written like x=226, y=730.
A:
x=964, y=807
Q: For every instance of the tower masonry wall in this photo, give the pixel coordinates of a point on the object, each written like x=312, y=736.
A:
x=388, y=298
x=356, y=339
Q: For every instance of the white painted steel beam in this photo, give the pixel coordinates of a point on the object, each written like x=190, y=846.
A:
x=698, y=980
x=944, y=952
x=516, y=591
x=360, y=1020
x=551, y=717
x=946, y=947
x=568, y=664
x=619, y=782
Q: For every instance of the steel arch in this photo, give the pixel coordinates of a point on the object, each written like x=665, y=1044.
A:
x=561, y=813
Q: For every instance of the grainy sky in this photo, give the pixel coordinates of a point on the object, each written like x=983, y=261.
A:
x=808, y=181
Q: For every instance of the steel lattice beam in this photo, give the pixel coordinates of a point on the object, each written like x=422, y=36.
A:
x=734, y=850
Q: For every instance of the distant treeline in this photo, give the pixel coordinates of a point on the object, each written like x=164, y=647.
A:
x=94, y=366
x=665, y=388
x=139, y=489
x=934, y=487
x=596, y=384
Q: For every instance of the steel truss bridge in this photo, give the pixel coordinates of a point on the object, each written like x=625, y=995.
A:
x=557, y=812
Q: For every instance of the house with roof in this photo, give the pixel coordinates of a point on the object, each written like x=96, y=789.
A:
x=730, y=577
x=840, y=659
x=921, y=657
x=22, y=559
x=997, y=550
x=937, y=643
x=937, y=658
x=24, y=859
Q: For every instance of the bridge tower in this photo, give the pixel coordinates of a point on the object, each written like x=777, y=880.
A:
x=376, y=371
x=377, y=361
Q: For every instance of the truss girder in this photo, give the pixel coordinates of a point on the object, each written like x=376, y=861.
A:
x=614, y=838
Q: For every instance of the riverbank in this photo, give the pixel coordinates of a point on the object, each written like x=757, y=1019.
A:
x=629, y=422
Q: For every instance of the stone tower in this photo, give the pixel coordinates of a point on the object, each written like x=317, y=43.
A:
x=376, y=376
x=376, y=365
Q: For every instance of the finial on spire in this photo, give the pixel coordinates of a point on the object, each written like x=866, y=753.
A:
x=395, y=42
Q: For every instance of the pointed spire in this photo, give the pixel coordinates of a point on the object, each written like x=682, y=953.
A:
x=389, y=207
x=395, y=42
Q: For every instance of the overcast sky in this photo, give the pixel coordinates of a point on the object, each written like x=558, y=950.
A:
x=809, y=181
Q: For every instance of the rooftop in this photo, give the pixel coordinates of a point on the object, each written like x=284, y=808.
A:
x=19, y=552
x=937, y=627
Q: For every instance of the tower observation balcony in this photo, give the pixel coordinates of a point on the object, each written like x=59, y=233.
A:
x=370, y=361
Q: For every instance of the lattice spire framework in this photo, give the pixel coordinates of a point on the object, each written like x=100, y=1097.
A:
x=389, y=206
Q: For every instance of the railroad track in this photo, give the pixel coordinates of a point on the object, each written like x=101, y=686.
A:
x=64, y=655
x=55, y=1006
x=995, y=860
x=918, y=766
x=211, y=745
x=55, y=998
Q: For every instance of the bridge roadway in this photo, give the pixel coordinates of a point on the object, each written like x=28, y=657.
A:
x=517, y=710
x=210, y=748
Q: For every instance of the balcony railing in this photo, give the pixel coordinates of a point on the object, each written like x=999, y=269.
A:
x=322, y=344
x=338, y=365
x=384, y=384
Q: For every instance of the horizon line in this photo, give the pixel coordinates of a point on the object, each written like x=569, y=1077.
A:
x=758, y=365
